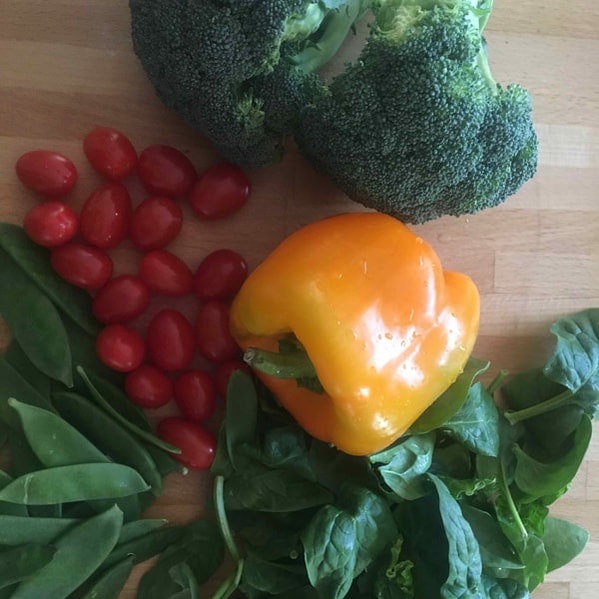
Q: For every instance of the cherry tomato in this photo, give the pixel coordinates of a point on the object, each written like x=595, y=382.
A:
x=214, y=339
x=197, y=445
x=170, y=340
x=164, y=170
x=51, y=224
x=49, y=174
x=120, y=348
x=155, y=223
x=220, y=275
x=110, y=153
x=222, y=190
x=122, y=299
x=82, y=265
x=223, y=374
x=148, y=387
x=165, y=273
x=105, y=216
x=195, y=395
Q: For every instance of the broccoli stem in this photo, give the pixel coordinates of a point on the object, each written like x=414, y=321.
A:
x=329, y=37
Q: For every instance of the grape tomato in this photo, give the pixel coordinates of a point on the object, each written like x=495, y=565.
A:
x=51, y=223
x=110, y=153
x=220, y=275
x=214, y=339
x=120, y=347
x=221, y=191
x=148, y=387
x=164, y=170
x=197, y=445
x=82, y=265
x=47, y=173
x=155, y=223
x=122, y=299
x=165, y=273
x=195, y=395
x=170, y=340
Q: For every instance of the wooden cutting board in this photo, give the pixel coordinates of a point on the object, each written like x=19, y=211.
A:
x=67, y=65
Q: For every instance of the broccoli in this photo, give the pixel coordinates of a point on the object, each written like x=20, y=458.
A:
x=415, y=127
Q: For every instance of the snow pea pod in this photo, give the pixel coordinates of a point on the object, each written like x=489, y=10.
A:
x=107, y=435
x=80, y=482
x=110, y=584
x=79, y=553
x=35, y=262
x=18, y=359
x=14, y=384
x=53, y=440
x=22, y=562
x=9, y=509
x=34, y=322
x=139, y=528
x=20, y=530
x=140, y=432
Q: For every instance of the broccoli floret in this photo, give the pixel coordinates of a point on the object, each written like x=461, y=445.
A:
x=415, y=127
x=218, y=64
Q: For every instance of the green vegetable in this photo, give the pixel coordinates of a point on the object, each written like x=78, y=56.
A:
x=563, y=541
x=23, y=562
x=110, y=584
x=415, y=126
x=19, y=530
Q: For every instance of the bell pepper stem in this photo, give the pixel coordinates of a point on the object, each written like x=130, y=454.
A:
x=292, y=365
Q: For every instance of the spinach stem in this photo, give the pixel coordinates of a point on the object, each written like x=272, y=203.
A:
x=511, y=504
x=496, y=382
x=514, y=416
x=221, y=515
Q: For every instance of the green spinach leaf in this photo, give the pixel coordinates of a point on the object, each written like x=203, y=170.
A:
x=563, y=541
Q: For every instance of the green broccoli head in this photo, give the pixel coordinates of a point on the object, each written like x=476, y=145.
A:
x=417, y=127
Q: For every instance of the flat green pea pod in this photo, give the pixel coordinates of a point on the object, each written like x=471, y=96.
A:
x=108, y=435
x=80, y=482
x=13, y=384
x=53, y=440
x=35, y=322
x=110, y=584
x=20, y=530
x=18, y=359
x=79, y=553
x=9, y=509
x=35, y=263
x=139, y=528
x=20, y=563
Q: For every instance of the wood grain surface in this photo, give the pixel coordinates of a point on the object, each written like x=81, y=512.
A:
x=67, y=65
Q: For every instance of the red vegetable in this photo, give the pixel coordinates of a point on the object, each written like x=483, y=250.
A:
x=170, y=340
x=214, y=339
x=195, y=395
x=164, y=170
x=105, y=216
x=110, y=153
x=51, y=223
x=155, y=223
x=49, y=174
x=221, y=191
x=223, y=374
x=197, y=444
x=148, y=387
x=120, y=348
x=122, y=299
x=82, y=265
x=165, y=273
x=220, y=275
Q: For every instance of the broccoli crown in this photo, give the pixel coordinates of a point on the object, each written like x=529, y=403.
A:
x=417, y=127
x=216, y=63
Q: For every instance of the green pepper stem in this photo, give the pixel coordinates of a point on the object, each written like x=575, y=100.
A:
x=293, y=365
x=514, y=416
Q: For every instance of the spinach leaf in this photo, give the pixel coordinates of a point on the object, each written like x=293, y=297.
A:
x=453, y=461
x=460, y=488
x=475, y=424
x=503, y=588
x=342, y=540
x=183, y=575
x=275, y=578
x=402, y=467
x=538, y=479
x=563, y=541
x=451, y=401
x=242, y=413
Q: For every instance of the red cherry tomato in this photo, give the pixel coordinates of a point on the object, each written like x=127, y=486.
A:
x=51, y=224
x=110, y=153
x=82, y=265
x=170, y=340
x=122, y=299
x=223, y=374
x=222, y=190
x=165, y=273
x=214, y=339
x=220, y=275
x=197, y=445
x=105, y=216
x=49, y=174
x=120, y=348
x=195, y=395
x=164, y=170
x=155, y=223
x=148, y=387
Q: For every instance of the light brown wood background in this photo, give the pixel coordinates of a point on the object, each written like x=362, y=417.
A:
x=67, y=65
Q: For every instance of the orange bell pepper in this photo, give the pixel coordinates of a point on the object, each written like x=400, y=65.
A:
x=385, y=328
